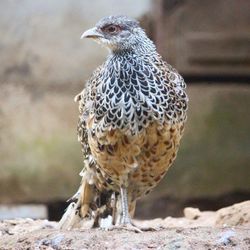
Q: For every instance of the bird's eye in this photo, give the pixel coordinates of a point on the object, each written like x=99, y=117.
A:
x=111, y=29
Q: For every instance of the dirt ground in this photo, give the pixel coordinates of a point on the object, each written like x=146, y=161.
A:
x=227, y=228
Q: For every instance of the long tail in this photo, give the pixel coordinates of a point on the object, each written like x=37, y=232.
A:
x=78, y=210
x=89, y=205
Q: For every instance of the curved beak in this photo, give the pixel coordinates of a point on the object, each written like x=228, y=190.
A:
x=91, y=33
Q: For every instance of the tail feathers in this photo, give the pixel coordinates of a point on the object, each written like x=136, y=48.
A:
x=91, y=207
x=84, y=212
x=71, y=218
x=79, y=208
x=87, y=196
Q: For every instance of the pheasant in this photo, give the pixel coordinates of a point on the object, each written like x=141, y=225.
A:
x=132, y=116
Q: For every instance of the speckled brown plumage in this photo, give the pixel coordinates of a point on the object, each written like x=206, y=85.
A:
x=132, y=116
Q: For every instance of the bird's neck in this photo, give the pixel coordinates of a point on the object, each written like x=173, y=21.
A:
x=141, y=48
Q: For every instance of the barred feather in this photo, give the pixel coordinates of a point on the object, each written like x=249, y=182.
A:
x=132, y=115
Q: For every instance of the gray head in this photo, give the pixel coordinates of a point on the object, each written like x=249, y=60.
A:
x=117, y=33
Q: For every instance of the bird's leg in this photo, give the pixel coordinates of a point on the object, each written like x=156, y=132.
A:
x=125, y=221
x=122, y=216
x=114, y=209
x=124, y=203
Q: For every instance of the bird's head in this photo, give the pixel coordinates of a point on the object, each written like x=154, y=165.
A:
x=117, y=33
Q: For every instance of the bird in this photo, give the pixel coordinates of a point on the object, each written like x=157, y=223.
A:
x=133, y=111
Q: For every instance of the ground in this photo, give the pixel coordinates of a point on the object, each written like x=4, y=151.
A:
x=227, y=228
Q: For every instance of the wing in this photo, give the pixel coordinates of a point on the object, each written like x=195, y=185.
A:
x=178, y=99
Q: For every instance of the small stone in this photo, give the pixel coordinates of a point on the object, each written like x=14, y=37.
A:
x=192, y=213
x=236, y=215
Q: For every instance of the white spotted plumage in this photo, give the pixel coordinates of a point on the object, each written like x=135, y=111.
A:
x=132, y=115
x=129, y=92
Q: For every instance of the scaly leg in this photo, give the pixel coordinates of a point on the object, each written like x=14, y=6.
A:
x=122, y=216
x=124, y=203
x=125, y=222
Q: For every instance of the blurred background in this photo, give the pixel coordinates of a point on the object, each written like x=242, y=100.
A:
x=44, y=64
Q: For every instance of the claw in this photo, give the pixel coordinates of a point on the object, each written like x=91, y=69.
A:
x=127, y=227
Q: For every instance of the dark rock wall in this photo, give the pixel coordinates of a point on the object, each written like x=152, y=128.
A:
x=204, y=37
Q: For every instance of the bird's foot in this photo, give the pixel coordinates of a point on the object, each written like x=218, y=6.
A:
x=144, y=227
x=148, y=229
x=133, y=228
x=128, y=227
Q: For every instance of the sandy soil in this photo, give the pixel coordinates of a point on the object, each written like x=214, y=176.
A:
x=227, y=228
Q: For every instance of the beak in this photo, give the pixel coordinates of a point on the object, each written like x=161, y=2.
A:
x=91, y=33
